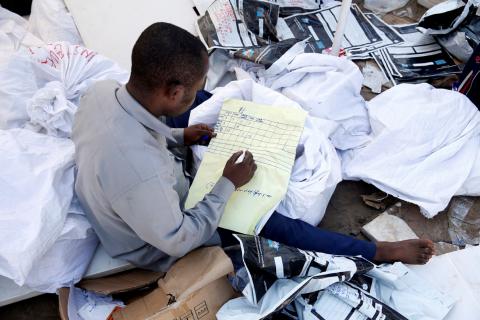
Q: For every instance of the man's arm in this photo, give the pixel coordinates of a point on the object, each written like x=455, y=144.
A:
x=191, y=135
x=151, y=208
x=178, y=135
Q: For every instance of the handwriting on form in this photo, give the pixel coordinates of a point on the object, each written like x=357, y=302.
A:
x=273, y=143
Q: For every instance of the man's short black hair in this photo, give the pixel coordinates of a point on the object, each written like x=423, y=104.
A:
x=166, y=55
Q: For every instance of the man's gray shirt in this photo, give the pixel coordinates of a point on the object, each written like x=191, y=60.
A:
x=132, y=187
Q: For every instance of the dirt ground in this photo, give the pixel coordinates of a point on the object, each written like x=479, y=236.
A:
x=44, y=307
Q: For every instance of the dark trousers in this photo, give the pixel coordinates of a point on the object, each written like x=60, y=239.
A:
x=292, y=232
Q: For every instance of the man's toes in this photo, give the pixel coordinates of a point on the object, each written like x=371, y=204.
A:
x=424, y=258
x=425, y=243
x=429, y=251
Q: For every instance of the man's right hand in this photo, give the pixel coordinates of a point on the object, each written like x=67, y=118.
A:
x=240, y=173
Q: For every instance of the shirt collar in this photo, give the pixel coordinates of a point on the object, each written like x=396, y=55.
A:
x=139, y=113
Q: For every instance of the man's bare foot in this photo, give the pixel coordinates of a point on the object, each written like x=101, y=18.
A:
x=417, y=251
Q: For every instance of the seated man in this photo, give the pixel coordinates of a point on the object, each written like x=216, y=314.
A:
x=133, y=187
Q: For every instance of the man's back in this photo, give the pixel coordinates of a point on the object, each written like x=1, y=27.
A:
x=108, y=141
x=131, y=186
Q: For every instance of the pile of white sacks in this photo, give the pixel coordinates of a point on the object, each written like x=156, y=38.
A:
x=45, y=240
x=415, y=142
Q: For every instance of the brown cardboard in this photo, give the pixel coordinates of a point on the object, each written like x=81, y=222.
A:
x=193, y=289
x=196, y=270
x=144, y=307
x=121, y=282
x=202, y=304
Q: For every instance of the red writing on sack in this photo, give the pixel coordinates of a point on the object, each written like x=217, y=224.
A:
x=53, y=54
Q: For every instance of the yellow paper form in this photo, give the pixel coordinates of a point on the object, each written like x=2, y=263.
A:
x=271, y=134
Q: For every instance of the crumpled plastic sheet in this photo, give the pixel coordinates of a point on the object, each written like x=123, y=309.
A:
x=464, y=221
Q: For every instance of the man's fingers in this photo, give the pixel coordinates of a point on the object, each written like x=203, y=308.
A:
x=205, y=127
x=204, y=132
x=235, y=157
x=248, y=157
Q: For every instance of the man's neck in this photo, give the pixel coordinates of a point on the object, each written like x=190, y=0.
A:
x=147, y=101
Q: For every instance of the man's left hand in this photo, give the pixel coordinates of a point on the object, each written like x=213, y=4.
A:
x=198, y=134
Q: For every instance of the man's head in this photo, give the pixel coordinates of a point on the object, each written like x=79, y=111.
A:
x=168, y=68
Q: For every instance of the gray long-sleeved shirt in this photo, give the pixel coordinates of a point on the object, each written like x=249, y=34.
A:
x=132, y=187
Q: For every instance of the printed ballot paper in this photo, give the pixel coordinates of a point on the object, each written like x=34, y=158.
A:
x=271, y=134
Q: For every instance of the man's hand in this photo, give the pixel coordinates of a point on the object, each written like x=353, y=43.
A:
x=240, y=173
x=198, y=133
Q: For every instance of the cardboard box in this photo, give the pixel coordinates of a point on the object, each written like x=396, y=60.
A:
x=194, y=288
x=121, y=282
x=202, y=304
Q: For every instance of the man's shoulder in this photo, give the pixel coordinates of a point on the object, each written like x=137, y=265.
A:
x=103, y=86
x=99, y=93
x=112, y=145
x=95, y=109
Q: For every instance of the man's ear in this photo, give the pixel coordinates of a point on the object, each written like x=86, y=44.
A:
x=175, y=93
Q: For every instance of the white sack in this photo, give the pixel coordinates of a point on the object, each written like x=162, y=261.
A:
x=17, y=84
x=14, y=33
x=456, y=273
x=327, y=87
x=425, y=144
x=50, y=21
x=42, y=247
x=384, y=6
x=31, y=68
x=50, y=112
x=315, y=174
x=36, y=183
x=75, y=66
x=413, y=296
x=316, y=170
x=65, y=263
x=471, y=187
x=13, y=93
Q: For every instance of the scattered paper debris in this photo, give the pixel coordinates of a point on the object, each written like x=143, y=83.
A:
x=373, y=77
